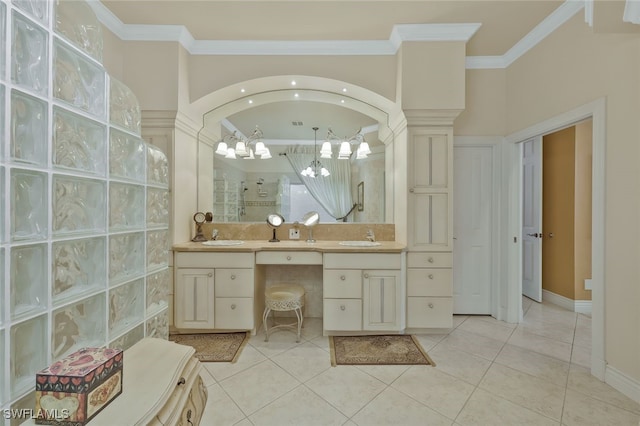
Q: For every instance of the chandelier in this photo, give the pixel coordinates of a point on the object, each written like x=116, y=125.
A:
x=234, y=146
x=345, y=152
x=315, y=167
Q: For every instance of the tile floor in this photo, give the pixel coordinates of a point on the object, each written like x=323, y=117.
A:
x=488, y=373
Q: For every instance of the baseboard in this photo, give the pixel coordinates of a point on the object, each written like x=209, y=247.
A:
x=580, y=306
x=623, y=383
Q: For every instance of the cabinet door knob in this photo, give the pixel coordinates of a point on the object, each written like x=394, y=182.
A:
x=430, y=276
x=411, y=190
x=342, y=277
x=288, y=257
x=233, y=277
x=210, y=274
x=430, y=260
x=366, y=275
x=342, y=307
x=233, y=306
x=431, y=305
x=182, y=381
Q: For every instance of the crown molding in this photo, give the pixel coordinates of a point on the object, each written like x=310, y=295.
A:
x=399, y=34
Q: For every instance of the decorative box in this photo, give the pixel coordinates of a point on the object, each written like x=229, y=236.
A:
x=73, y=390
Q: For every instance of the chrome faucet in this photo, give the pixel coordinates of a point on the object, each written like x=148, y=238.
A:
x=371, y=236
x=214, y=234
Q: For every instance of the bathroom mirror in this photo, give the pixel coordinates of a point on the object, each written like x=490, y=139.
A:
x=247, y=190
x=310, y=220
x=274, y=220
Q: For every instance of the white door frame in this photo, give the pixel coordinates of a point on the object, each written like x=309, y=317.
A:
x=498, y=310
x=512, y=213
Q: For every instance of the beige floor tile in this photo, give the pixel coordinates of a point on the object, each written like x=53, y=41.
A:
x=298, y=407
x=484, y=408
x=312, y=328
x=435, y=389
x=460, y=364
x=385, y=373
x=459, y=319
x=322, y=342
x=428, y=341
x=259, y=385
x=582, y=410
x=492, y=320
x=220, y=408
x=207, y=378
x=222, y=370
x=536, y=343
x=243, y=422
x=279, y=341
x=346, y=388
x=582, y=336
x=474, y=344
x=394, y=408
x=581, y=380
x=523, y=389
x=493, y=330
x=581, y=356
x=538, y=365
x=556, y=330
x=303, y=361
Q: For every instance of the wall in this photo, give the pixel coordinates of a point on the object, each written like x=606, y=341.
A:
x=582, y=196
x=585, y=67
x=485, y=104
x=558, y=183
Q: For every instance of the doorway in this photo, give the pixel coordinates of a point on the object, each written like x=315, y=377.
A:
x=512, y=225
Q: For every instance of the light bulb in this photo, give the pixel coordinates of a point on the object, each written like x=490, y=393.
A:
x=364, y=148
x=324, y=172
x=241, y=149
x=222, y=148
x=260, y=148
x=266, y=155
x=231, y=153
x=325, y=151
x=345, y=151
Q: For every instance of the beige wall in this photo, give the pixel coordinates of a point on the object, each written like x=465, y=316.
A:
x=558, y=183
x=485, y=104
x=569, y=68
x=112, y=49
x=582, y=225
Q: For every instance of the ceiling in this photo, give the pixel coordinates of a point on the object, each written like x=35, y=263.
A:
x=504, y=23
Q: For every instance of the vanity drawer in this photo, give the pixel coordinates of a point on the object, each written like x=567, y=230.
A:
x=235, y=313
x=234, y=282
x=429, y=312
x=342, y=314
x=213, y=260
x=429, y=282
x=342, y=283
x=289, y=258
x=362, y=260
x=429, y=260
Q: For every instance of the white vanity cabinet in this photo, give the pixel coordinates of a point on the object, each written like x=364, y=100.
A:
x=215, y=290
x=362, y=291
x=430, y=227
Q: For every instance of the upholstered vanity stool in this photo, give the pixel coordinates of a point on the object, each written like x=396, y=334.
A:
x=283, y=297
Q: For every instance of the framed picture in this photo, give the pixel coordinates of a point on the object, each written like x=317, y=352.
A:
x=361, y=196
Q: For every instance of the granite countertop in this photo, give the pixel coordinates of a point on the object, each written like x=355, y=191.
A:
x=289, y=245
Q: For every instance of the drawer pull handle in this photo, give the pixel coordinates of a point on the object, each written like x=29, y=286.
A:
x=430, y=276
x=288, y=257
x=431, y=305
x=182, y=381
x=342, y=307
x=342, y=277
x=210, y=274
x=430, y=260
x=366, y=275
x=189, y=417
x=233, y=306
x=233, y=277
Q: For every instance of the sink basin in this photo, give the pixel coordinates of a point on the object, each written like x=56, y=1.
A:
x=359, y=243
x=223, y=243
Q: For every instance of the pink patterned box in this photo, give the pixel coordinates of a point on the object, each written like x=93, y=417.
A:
x=74, y=389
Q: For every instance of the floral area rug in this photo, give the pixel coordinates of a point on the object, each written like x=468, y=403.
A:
x=214, y=347
x=378, y=350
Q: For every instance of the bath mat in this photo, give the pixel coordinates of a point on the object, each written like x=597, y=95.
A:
x=398, y=349
x=214, y=347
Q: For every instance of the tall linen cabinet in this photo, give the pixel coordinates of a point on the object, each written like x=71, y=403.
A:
x=429, y=226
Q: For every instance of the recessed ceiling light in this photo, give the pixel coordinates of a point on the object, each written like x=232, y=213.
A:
x=342, y=101
x=242, y=90
x=250, y=101
x=344, y=89
x=293, y=82
x=296, y=95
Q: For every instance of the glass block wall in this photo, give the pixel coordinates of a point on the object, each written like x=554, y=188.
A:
x=84, y=201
